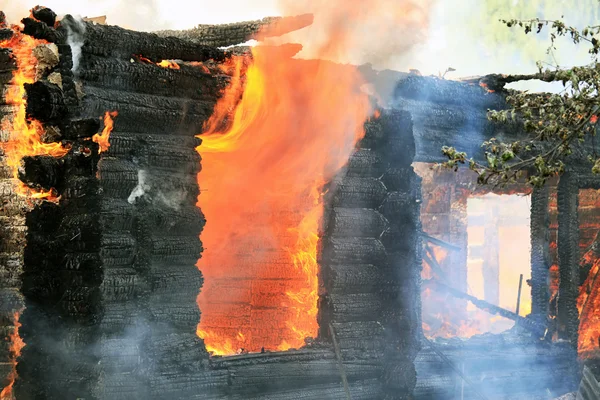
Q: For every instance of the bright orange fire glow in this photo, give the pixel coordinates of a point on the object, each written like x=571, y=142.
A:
x=168, y=64
x=25, y=135
x=588, y=304
x=16, y=345
x=282, y=129
x=103, y=138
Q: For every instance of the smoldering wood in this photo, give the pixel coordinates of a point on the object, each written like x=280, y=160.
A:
x=115, y=42
x=231, y=34
x=357, y=192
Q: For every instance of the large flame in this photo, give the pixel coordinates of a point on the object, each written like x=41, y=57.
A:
x=266, y=156
x=25, y=135
x=16, y=345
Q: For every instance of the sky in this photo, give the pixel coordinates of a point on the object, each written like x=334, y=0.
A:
x=450, y=39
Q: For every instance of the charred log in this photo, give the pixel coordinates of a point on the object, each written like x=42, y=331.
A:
x=113, y=41
x=42, y=172
x=44, y=15
x=40, y=30
x=45, y=102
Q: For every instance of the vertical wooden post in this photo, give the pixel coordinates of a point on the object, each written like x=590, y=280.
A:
x=568, y=257
x=540, y=254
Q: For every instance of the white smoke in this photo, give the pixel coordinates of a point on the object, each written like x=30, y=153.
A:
x=142, y=187
x=75, y=38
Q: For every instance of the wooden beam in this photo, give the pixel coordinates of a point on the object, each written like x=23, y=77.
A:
x=568, y=256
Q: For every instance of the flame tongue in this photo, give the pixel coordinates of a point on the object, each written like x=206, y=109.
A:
x=25, y=135
x=293, y=128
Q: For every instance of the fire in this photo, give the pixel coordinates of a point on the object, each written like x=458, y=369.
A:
x=498, y=252
x=588, y=304
x=485, y=86
x=16, y=345
x=25, y=135
x=281, y=130
x=102, y=138
x=164, y=63
x=168, y=64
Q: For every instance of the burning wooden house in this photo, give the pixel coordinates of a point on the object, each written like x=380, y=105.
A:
x=308, y=279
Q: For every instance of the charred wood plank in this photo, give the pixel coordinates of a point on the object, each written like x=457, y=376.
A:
x=183, y=316
x=353, y=307
x=113, y=41
x=540, y=253
x=352, y=250
x=354, y=222
x=358, y=278
x=121, y=284
x=149, y=79
x=178, y=250
x=353, y=192
x=170, y=278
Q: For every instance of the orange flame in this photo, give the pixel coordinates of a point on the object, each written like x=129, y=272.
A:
x=16, y=345
x=25, y=135
x=588, y=304
x=168, y=64
x=102, y=138
x=281, y=129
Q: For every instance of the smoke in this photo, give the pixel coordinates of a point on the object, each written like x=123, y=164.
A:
x=358, y=32
x=141, y=188
x=157, y=192
x=75, y=38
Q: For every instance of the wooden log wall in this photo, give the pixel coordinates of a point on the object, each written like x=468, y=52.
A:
x=370, y=253
x=148, y=216
x=62, y=269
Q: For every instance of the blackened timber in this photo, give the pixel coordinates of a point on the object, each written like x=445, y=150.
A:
x=40, y=30
x=45, y=102
x=7, y=60
x=113, y=41
x=540, y=254
x=141, y=78
x=44, y=15
x=568, y=256
x=43, y=172
x=355, y=222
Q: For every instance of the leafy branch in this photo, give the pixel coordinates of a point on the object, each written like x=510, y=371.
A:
x=554, y=123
